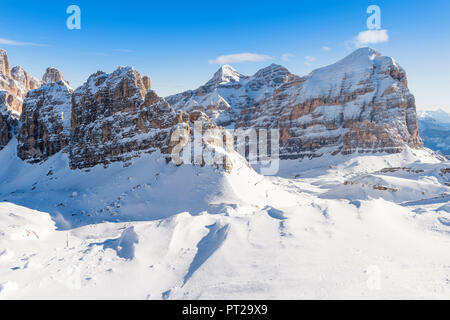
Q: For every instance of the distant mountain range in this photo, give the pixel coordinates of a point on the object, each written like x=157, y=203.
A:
x=434, y=128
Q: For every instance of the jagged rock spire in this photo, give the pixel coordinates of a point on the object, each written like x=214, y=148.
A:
x=4, y=64
x=52, y=75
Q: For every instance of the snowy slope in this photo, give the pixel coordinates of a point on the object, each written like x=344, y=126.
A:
x=157, y=231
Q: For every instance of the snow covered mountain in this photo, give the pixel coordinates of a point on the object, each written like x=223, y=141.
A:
x=228, y=93
x=434, y=127
x=93, y=204
x=15, y=83
x=359, y=104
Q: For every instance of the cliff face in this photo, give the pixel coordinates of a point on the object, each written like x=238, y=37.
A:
x=4, y=64
x=115, y=118
x=44, y=111
x=359, y=104
x=11, y=94
x=12, y=90
x=229, y=94
x=52, y=75
x=25, y=80
x=45, y=122
x=8, y=122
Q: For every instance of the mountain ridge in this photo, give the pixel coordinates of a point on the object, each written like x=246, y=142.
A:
x=361, y=103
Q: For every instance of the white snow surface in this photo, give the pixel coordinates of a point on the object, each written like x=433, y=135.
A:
x=153, y=230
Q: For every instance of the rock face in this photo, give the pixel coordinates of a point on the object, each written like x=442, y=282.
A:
x=195, y=139
x=4, y=64
x=16, y=81
x=45, y=122
x=14, y=85
x=25, y=80
x=7, y=121
x=147, y=82
x=359, y=104
x=114, y=118
x=52, y=75
x=228, y=93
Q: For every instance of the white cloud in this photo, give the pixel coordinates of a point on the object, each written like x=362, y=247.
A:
x=287, y=56
x=309, y=60
x=365, y=38
x=325, y=48
x=19, y=43
x=240, y=58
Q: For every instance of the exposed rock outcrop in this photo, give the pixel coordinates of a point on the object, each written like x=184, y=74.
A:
x=25, y=80
x=14, y=85
x=14, y=90
x=115, y=119
x=9, y=114
x=45, y=122
x=52, y=75
x=147, y=82
x=198, y=140
x=7, y=121
x=4, y=64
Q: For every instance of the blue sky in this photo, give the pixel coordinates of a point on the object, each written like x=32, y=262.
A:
x=175, y=42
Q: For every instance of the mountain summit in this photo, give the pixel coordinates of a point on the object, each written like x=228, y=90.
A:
x=359, y=104
x=224, y=75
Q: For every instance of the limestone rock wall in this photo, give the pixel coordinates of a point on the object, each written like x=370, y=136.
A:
x=45, y=122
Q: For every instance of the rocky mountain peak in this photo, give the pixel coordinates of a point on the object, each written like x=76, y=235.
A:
x=45, y=119
x=272, y=76
x=14, y=85
x=52, y=75
x=224, y=75
x=26, y=81
x=4, y=63
x=361, y=102
x=115, y=117
x=147, y=82
x=270, y=70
